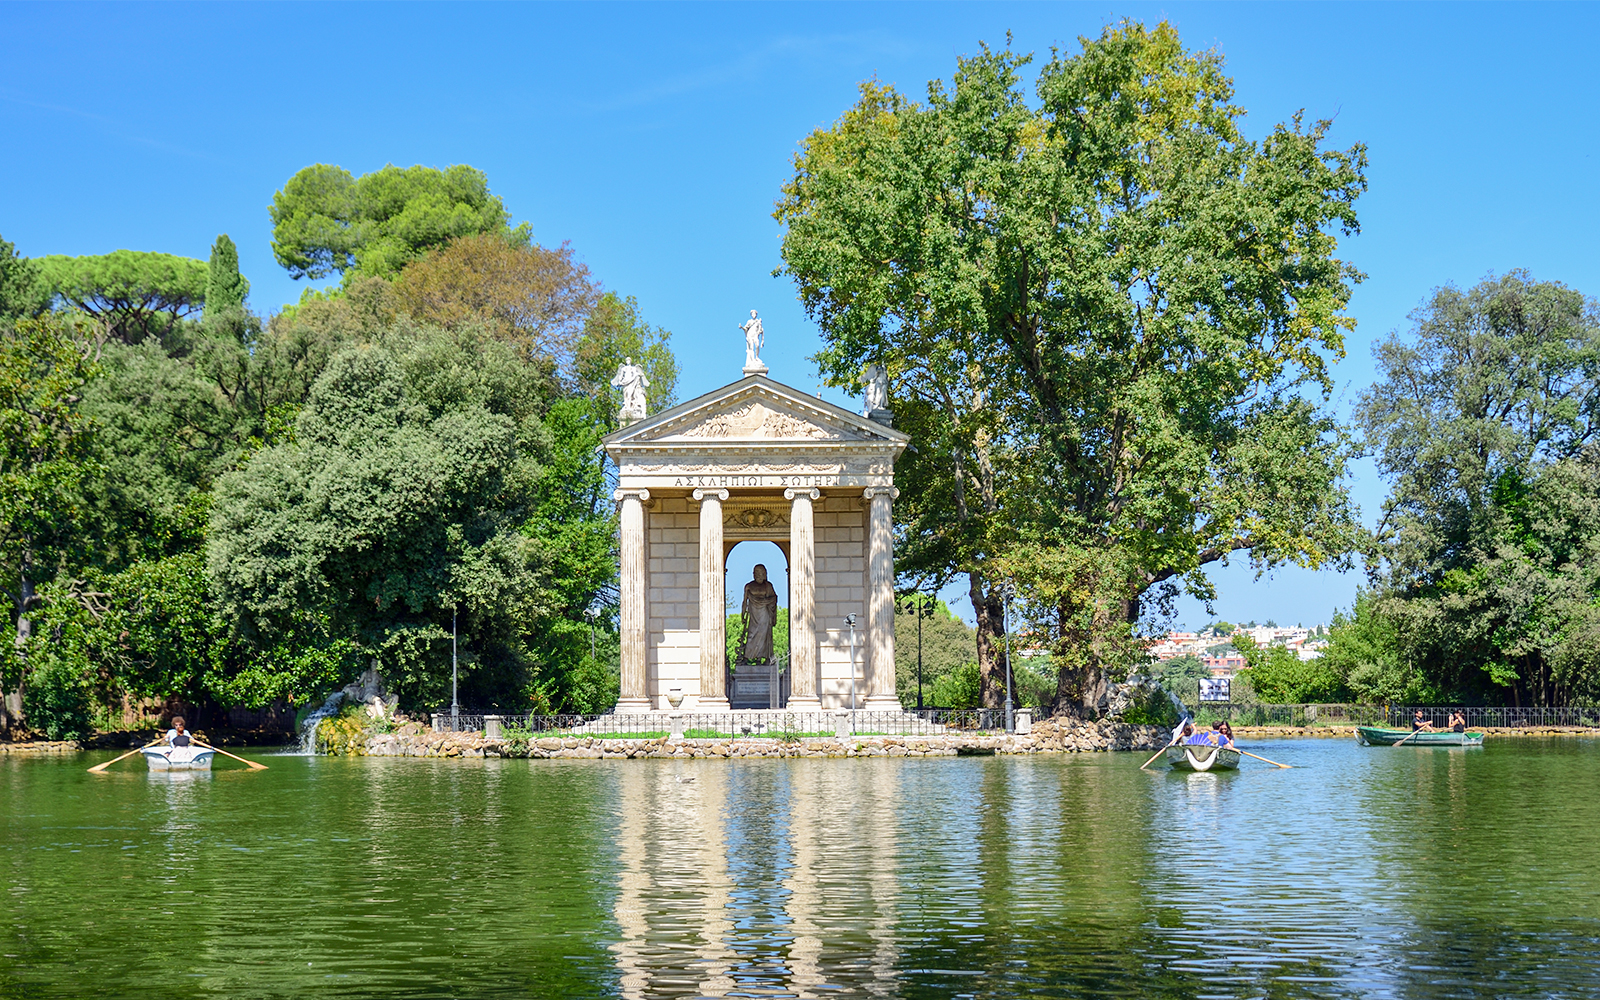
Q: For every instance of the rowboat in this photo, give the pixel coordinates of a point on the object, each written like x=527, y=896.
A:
x=1372, y=736
x=190, y=758
x=1202, y=757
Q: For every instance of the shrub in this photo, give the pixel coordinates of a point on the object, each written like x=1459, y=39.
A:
x=55, y=700
x=957, y=689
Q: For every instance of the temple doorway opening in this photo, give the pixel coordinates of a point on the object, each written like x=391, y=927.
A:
x=757, y=596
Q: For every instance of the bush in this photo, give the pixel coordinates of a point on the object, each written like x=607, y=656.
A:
x=957, y=689
x=55, y=700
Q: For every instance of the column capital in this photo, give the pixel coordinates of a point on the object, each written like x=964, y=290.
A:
x=713, y=494
x=881, y=491
x=642, y=495
x=796, y=491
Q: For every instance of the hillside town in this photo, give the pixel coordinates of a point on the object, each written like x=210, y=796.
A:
x=1214, y=647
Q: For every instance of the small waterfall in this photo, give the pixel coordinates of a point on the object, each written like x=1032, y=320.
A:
x=308, y=729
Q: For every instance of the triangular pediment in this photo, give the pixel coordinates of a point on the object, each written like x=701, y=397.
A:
x=755, y=410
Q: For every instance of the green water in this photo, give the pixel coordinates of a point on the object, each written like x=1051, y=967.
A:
x=1362, y=872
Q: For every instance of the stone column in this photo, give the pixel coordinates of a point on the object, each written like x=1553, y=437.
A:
x=635, y=666
x=713, y=610
x=802, y=601
x=880, y=601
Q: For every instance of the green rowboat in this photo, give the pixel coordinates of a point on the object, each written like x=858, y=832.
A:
x=1202, y=757
x=1372, y=736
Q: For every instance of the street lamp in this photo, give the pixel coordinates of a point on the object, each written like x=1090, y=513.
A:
x=1005, y=591
x=455, y=706
x=590, y=614
x=850, y=620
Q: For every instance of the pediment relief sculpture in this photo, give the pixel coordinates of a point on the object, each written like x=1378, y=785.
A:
x=756, y=420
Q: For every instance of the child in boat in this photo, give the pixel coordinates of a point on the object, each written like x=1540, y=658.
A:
x=1203, y=738
x=177, y=736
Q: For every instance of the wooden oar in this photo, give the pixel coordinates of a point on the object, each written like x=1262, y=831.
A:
x=253, y=764
x=1163, y=750
x=100, y=768
x=1409, y=735
x=1259, y=757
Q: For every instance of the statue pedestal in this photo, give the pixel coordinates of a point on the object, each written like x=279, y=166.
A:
x=756, y=370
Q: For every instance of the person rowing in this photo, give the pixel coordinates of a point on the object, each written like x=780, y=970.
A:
x=1420, y=722
x=178, y=736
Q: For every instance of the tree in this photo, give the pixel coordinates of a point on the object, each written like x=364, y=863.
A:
x=43, y=434
x=133, y=294
x=1280, y=677
x=226, y=288
x=534, y=297
x=1107, y=318
x=1485, y=418
x=327, y=222
x=947, y=643
x=22, y=291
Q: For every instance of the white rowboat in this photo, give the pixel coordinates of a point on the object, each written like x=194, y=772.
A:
x=189, y=758
x=1202, y=757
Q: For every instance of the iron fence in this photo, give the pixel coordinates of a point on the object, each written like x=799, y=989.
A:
x=1497, y=717
x=776, y=724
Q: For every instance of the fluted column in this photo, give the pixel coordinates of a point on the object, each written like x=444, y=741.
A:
x=713, y=609
x=880, y=600
x=634, y=652
x=802, y=601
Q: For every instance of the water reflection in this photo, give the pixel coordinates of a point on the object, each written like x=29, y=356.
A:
x=1361, y=872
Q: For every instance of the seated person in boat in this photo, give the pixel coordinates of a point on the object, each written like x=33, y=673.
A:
x=1419, y=722
x=177, y=736
x=1226, y=732
x=1458, y=722
x=1203, y=738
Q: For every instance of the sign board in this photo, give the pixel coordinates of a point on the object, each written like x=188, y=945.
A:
x=1215, y=689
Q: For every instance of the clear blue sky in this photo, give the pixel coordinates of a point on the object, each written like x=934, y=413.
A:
x=655, y=138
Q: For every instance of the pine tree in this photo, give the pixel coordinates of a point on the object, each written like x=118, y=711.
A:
x=225, y=286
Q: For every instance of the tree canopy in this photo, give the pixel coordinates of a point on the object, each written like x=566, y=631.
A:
x=1107, y=317
x=326, y=221
x=133, y=294
x=22, y=290
x=226, y=288
x=1485, y=418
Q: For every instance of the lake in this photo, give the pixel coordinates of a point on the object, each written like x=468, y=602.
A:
x=1361, y=872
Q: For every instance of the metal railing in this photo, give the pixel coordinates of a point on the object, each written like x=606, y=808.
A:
x=778, y=724
x=1498, y=717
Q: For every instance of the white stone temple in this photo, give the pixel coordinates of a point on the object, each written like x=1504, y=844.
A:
x=756, y=461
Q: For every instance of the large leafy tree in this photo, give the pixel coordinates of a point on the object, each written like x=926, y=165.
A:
x=326, y=221
x=1107, y=316
x=44, y=365
x=1485, y=417
x=133, y=294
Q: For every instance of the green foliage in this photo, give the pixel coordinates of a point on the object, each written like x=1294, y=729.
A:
x=1106, y=316
x=326, y=222
x=133, y=294
x=23, y=294
x=56, y=699
x=1181, y=675
x=345, y=733
x=1484, y=417
x=956, y=689
x=612, y=333
x=1279, y=677
x=1151, y=707
x=734, y=632
x=226, y=288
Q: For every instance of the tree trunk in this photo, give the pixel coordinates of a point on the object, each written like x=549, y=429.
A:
x=11, y=702
x=991, y=642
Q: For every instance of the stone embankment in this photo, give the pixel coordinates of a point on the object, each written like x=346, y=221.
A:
x=1049, y=736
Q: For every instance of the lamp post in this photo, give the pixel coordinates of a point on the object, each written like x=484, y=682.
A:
x=455, y=706
x=590, y=613
x=1005, y=591
x=850, y=620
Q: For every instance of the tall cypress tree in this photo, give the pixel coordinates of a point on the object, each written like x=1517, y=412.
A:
x=225, y=286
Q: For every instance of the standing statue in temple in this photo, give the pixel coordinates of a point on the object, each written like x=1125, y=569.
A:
x=630, y=379
x=759, y=613
x=754, y=339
